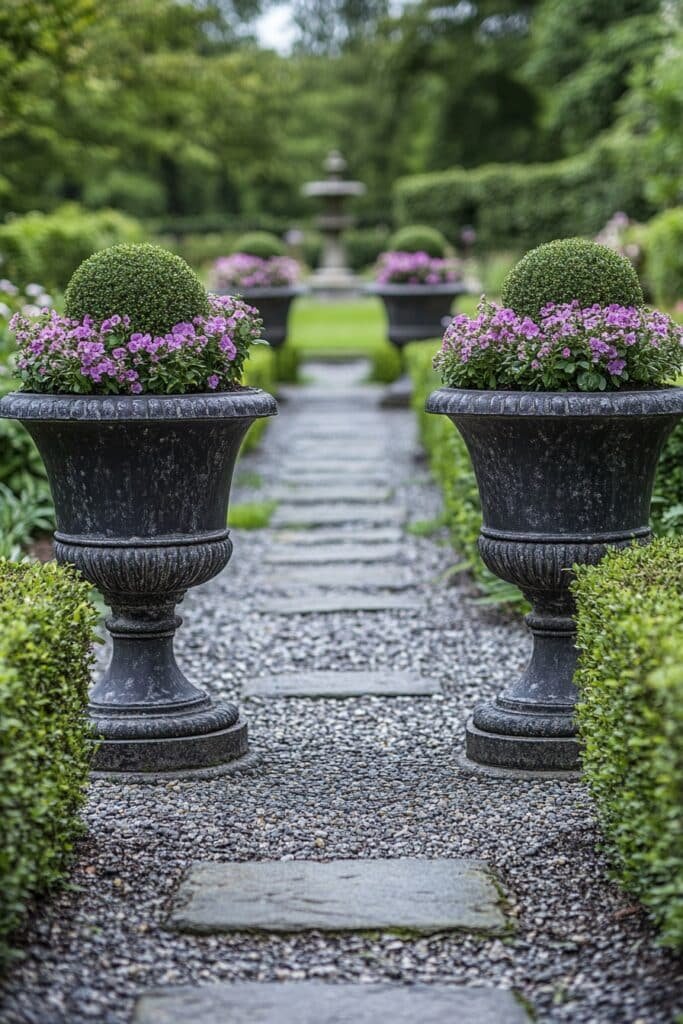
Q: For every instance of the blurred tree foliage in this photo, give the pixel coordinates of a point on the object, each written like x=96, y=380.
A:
x=168, y=109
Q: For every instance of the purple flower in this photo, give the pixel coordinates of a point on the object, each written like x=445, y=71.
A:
x=213, y=381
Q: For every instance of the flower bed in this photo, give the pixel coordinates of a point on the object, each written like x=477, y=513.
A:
x=566, y=348
x=46, y=636
x=244, y=271
x=415, y=268
x=59, y=353
x=630, y=715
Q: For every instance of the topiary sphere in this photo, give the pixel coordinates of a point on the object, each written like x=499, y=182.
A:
x=568, y=269
x=419, y=238
x=151, y=285
x=260, y=243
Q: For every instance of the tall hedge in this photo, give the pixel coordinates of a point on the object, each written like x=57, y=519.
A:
x=630, y=715
x=518, y=206
x=46, y=636
x=47, y=247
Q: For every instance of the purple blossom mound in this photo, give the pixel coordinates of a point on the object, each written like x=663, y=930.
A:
x=64, y=355
x=416, y=268
x=243, y=272
x=566, y=348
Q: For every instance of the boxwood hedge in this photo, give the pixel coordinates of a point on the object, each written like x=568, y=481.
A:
x=46, y=636
x=518, y=206
x=630, y=714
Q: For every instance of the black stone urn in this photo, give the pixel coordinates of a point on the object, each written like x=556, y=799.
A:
x=141, y=488
x=274, y=305
x=415, y=312
x=561, y=477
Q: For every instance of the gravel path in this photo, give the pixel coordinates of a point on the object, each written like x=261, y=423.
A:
x=368, y=777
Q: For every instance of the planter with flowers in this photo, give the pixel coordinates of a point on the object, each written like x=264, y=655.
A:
x=417, y=284
x=265, y=277
x=563, y=398
x=134, y=401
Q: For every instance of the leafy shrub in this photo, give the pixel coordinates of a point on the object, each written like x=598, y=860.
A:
x=46, y=637
x=517, y=206
x=363, y=246
x=152, y=286
x=451, y=467
x=667, y=501
x=419, y=238
x=664, y=256
x=571, y=269
x=47, y=247
x=630, y=715
x=260, y=243
x=260, y=372
x=199, y=250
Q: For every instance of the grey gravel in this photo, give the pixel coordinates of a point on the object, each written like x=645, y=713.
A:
x=363, y=778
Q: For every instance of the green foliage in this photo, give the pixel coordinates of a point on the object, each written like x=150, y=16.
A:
x=22, y=516
x=260, y=243
x=46, y=635
x=363, y=246
x=664, y=256
x=47, y=247
x=452, y=469
x=518, y=206
x=259, y=372
x=199, y=250
x=667, y=501
x=419, y=238
x=630, y=716
x=152, y=286
x=568, y=269
x=287, y=359
x=252, y=515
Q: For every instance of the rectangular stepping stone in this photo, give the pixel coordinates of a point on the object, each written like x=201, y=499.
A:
x=424, y=896
x=323, y=554
x=341, y=684
x=317, y=1002
x=379, y=535
x=358, y=495
x=329, y=515
x=324, y=603
x=387, y=577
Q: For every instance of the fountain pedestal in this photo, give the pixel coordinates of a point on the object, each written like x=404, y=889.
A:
x=333, y=278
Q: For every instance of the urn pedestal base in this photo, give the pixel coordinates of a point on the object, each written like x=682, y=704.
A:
x=173, y=753
x=523, y=753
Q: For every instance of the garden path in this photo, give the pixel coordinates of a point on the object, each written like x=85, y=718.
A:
x=338, y=597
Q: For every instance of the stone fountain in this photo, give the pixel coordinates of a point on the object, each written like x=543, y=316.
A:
x=333, y=276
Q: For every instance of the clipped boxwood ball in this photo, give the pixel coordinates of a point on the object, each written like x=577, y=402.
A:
x=568, y=269
x=419, y=238
x=151, y=285
x=260, y=243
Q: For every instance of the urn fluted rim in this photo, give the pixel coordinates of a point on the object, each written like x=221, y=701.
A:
x=409, y=290
x=460, y=402
x=247, y=403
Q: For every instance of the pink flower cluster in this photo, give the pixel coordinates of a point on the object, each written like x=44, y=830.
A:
x=241, y=271
x=62, y=356
x=416, y=268
x=567, y=349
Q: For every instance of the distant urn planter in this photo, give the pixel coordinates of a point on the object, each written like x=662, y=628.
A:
x=141, y=487
x=274, y=306
x=562, y=476
x=415, y=312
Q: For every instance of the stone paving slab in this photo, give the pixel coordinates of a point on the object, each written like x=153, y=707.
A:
x=324, y=554
x=340, y=452
x=362, y=577
x=336, y=478
x=341, y=684
x=331, y=514
x=358, y=495
x=323, y=603
x=315, y=1002
x=424, y=896
x=379, y=535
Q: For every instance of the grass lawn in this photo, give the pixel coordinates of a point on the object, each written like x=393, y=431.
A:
x=351, y=327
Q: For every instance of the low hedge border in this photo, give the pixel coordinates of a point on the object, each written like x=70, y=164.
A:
x=630, y=716
x=47, y=627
